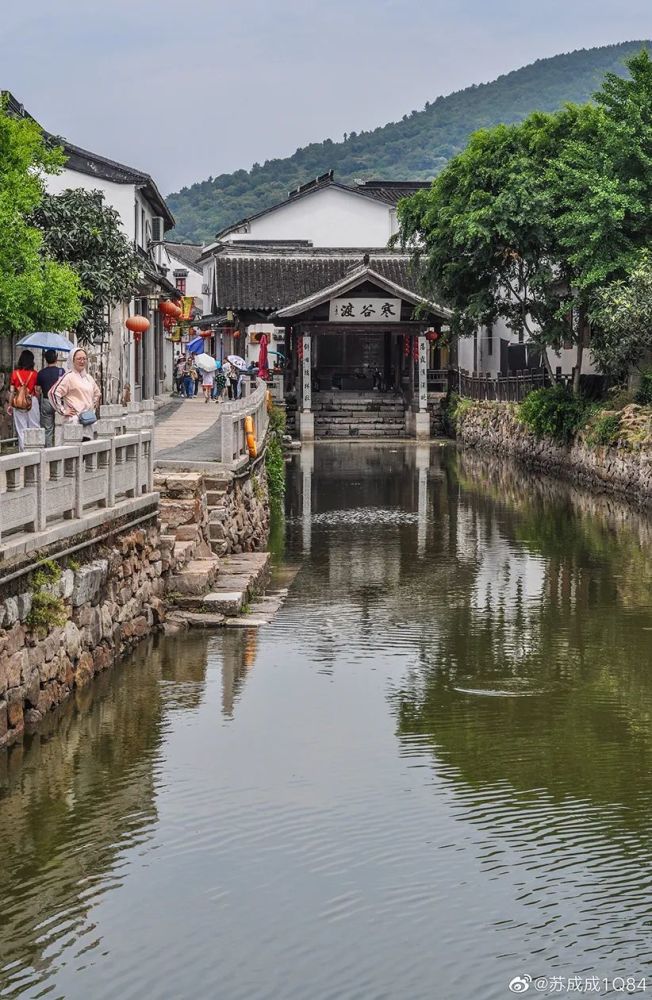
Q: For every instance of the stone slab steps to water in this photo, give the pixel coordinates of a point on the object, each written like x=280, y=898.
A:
x=207, y=595
x=345, y=415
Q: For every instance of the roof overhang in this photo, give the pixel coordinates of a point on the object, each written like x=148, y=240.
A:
x=364, y=273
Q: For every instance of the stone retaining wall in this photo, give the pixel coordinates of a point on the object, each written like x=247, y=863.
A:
x=623, y=468
x=105, y=605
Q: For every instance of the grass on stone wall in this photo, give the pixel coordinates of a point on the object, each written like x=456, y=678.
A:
x=555, y=412
x=48, y=609
x=274, y=460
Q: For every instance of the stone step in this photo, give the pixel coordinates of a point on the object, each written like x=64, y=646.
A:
x=196, y=577
x=214, y=498
x=182, y=550
x=355, y=432
x=362, y=418
x=198, y=619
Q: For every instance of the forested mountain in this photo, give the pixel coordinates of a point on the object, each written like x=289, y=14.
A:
x=415, y=148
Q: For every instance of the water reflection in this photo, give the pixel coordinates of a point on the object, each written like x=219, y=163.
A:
x=438, y=775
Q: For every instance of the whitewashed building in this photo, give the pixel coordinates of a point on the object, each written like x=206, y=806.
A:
x=138, y=370
x=324, y=213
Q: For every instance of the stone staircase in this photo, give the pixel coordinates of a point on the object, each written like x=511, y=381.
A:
x=358, y=415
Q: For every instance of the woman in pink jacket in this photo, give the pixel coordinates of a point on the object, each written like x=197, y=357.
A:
x=76, y=392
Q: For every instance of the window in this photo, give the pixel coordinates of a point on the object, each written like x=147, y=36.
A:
x=181, y=285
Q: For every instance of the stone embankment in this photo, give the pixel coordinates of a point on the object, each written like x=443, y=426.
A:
x=624, y=468
x=195, y=560
x=65, y=622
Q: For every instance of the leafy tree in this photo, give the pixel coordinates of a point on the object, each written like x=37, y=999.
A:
x=622, y=315
x=36, y=292
x=532, y=220
x=82, y=231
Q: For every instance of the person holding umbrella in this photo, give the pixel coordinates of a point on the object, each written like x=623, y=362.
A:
x=46, y=379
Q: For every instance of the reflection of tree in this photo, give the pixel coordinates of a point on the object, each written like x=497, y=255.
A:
x=77, y=795
x=550, y=596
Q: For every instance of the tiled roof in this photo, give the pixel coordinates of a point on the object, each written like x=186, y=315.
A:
x=264, y=280
x=188, y=253
x=391, y=192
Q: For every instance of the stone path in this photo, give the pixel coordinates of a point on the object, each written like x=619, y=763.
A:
x=185, y=430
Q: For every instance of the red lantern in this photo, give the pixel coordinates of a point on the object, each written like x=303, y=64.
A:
x=206, y=334
x=432, y=335
x=169, y=308
x=138, y=326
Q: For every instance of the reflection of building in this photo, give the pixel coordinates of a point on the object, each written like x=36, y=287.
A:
x=238, y=650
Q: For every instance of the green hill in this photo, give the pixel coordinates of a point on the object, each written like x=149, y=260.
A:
x=415, y=148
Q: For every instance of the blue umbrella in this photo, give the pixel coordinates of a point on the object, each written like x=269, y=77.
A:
x=47, y=342
x=196, y=346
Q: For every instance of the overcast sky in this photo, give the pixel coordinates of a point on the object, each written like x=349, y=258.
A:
x=188, y=88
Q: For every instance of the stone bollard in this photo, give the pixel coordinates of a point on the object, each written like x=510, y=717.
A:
x=111, y=410
x=133, y=422
x=34, y=438
x=133, y=407
x=73, y=433
x=105, y=428
x=148, y=420
x=147, y=406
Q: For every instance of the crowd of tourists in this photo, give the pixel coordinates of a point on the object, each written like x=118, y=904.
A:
x=36, y=397
x=225, y=381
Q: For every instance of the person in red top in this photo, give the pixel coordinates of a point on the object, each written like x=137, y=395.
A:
x=24, y=374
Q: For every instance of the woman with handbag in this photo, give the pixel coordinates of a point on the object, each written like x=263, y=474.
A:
x=77, y=394
x=23, y=402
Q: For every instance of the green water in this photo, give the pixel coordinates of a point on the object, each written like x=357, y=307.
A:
x=429, y=775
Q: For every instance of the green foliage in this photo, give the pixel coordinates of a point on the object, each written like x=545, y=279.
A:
x=48, y=610
x=644, y=391
x=417, y=148
x=604, y=430
x=622, y=318
x=554, y=412
x=36, y=292
x=532, y=220
x=456, y=407
x=274, y=460
x=79, y=229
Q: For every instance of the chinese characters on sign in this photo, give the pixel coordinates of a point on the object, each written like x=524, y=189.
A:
x=306, y=375
x=423, y=373
x=369, y=310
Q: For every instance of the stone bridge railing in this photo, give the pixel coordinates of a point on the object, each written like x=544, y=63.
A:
x=232, y=439
x=48, y=494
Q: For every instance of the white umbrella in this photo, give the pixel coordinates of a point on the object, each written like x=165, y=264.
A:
x=205, y=362
x=238, y=362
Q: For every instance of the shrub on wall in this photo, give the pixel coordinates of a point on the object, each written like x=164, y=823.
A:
x=274, y=461
x=604, y=430
x=554, y=412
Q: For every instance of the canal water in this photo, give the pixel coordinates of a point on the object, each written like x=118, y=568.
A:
x=429, y=776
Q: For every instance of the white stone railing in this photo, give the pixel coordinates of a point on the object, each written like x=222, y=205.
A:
x=232, y=439
x=43, y=487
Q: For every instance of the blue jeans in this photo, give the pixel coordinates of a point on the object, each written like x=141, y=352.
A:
x=188, y=385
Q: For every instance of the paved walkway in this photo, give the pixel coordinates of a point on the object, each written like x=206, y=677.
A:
x=185, y=430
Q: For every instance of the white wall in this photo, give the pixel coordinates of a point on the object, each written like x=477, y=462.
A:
x=565, y=359
x=329, y=218
x=118, y=196
x=194, y=279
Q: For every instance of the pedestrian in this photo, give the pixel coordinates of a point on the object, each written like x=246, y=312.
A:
x=232, y=379
x=77, y=394
x=23, y=402
x=189, y=376
x=46, y=379
x=207, y=382
x=178, y=373
x=219, y=384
